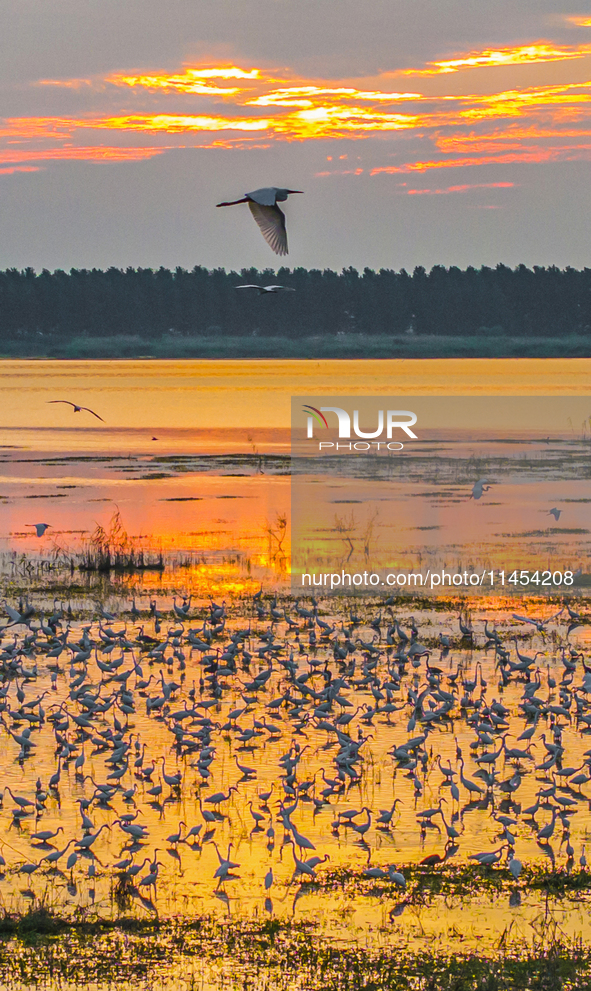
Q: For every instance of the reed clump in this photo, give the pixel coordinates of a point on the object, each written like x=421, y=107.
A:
x=112, y=549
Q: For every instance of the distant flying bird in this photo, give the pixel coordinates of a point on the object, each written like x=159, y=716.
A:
x=556, y=513
x=77, y=409
x=269, y=217
x=266, y=289
x=479, y=488
x=39, y=527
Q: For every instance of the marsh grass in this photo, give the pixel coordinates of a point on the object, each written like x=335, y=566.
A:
x=462, y=880
x=112, y=549
x=271, y=954
x=38, y=921
x=276, y=532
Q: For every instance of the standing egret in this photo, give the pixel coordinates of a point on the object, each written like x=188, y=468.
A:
x=515, y=866
x=396, y=876
x=269, y=217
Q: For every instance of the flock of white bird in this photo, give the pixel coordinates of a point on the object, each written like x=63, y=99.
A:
x=286, y=714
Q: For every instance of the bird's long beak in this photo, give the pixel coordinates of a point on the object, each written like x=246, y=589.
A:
x=295, y=190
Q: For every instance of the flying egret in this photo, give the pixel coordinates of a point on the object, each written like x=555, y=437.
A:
x=77, y=409
x=39, y=527
x=479, y=488
x=269, y=217
x=264, y=290
x=556, y=513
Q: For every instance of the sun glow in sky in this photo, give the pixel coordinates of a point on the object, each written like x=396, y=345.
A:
x=442, y=117
x=180, y=104
x=474, y=110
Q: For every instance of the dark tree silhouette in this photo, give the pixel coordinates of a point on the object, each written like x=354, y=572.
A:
x=485, y=302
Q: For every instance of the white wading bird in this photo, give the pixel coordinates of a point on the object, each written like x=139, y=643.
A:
x=77, y=409
x=479, y=488
x=269, y=217
x=266, y=289
x=39, y=527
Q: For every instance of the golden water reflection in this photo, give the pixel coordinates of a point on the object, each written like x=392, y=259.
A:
x=215, y=522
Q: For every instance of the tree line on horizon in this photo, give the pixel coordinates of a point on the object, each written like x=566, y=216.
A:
x=519, y=302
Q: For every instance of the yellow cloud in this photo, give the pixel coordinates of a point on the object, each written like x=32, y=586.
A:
x=303, y=96
x=189, y=81
x=524, y=55
x=449, y=129
x=173, y=123
x=565, y=154
x=100, y=153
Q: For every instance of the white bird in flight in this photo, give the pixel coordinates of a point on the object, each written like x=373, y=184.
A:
x=77, y=409
x=479, y=488
x=269, y=217
x=39, y=527
x=266, y=289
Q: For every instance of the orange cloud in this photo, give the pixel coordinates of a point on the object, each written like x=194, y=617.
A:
x=459, y=189
x=173, y=123
x=478, y=125
x=65, y=83
x=303, y=96
x=337, y=120
x=511, y=138
x=341, y=172
x=566, y=154
x=524, y=55
x=19, y=168
x=192, y=80
x=103, y=153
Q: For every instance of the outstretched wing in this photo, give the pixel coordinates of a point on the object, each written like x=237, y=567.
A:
x=552, y=618
x=524, y=619
x=271, y=221
x=275, y=288
x=87, y=410
x=247, y=287
x=64, y=401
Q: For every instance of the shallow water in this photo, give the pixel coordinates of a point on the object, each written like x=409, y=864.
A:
x=208, y=494
x=195, y=430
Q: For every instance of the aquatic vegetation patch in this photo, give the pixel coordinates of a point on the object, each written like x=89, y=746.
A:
x=463, y=880
x=183, y=499
x=113, y=549
x=271, y=954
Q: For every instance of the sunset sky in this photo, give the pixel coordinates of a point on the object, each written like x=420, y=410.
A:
x=422, y=132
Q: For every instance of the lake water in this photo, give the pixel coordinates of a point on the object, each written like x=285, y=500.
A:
x=212, y=436
x=195, y=457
